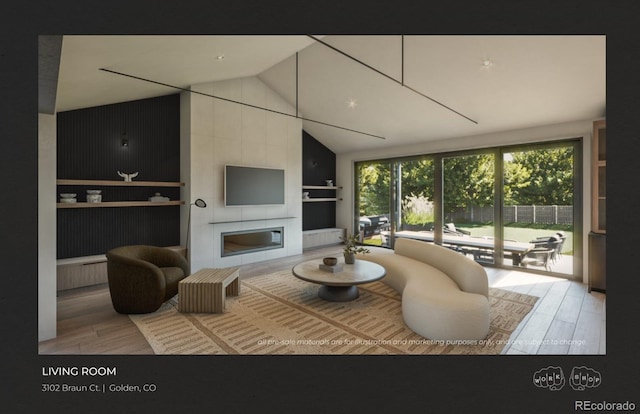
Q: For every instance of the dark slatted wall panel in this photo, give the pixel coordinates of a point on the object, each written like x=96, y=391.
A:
x=318, y=165
x=89, y=145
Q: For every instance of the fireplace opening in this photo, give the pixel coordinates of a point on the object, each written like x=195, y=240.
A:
x=248, y=241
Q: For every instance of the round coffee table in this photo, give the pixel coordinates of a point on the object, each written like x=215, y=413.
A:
x=339, y=286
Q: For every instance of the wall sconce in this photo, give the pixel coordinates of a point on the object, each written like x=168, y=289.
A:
x=125, y=142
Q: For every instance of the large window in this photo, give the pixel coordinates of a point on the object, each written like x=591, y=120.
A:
x=509, y=207
x=539, y=197
x=374, y=202
x=468, y=199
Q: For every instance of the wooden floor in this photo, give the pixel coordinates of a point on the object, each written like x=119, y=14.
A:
x=567, y=319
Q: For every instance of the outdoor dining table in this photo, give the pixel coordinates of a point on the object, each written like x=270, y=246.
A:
x=517, y=249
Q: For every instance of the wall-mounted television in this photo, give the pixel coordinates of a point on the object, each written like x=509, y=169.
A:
x=253, y=186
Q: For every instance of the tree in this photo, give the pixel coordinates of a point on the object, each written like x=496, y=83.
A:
x=468, y=181
x=374, y=183
x=417, y=178
x=540, y=177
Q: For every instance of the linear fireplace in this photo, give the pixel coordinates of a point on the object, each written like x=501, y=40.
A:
x=249, y=241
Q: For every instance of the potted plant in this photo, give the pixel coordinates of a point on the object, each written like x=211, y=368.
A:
x=351, y=248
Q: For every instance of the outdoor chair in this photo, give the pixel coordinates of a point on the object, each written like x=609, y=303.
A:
x=451, y=228
x=554, y=243
x=539, y=256
x=562, y=237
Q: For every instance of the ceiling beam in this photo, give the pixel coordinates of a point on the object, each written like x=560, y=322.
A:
x=241, y=103
x=401, y=83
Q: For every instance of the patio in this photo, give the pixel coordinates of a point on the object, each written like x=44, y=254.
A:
x=481, y=250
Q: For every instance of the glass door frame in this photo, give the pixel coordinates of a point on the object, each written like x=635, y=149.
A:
x=498, y=219
x=577, y=207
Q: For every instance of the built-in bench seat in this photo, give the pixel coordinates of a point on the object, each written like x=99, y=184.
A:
x=444, y=293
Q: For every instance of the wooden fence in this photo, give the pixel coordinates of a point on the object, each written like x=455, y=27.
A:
x=515, y=214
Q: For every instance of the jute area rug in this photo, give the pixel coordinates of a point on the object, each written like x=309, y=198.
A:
x=279, y=314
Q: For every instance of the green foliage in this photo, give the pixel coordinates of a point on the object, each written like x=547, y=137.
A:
x=374, y=183
x=532, y=177
x=417, y=210
x=468, y=180
x=541, y=226
x=352, y=245
x=541, y=177
x=417, y=178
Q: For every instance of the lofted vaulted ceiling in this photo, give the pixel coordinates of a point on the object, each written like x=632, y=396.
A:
x=407, y=89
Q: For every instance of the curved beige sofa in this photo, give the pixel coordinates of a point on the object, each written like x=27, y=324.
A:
x=444, y=294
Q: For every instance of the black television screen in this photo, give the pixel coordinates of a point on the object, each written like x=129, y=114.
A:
x=253, y=186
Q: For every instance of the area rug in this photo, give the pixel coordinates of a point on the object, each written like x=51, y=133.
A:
x=279, y=314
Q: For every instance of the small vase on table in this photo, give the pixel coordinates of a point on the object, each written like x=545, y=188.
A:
x=351, y=247
x=349, y=258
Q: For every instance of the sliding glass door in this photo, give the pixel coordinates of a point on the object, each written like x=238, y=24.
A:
x=539, y=204
x=514, y=206
x=416, y=210
x=374, y=202
x=467, y=205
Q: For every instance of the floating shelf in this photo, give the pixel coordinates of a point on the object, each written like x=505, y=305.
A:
x=120, y=204
x=318, y=199
x=320, y=187
x=121, y=183
x=245, y=221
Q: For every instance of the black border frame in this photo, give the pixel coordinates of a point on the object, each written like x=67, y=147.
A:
x=313, y=384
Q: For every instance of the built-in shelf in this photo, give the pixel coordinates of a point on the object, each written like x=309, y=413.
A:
x=120, y=183
x=245, y=221
x=598, y=177
x=320, y=199
x=120, y=204
x=320, y=187
x=322, y=237
x=113, y=183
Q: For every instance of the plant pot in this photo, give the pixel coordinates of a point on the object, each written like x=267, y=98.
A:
x=349, y=258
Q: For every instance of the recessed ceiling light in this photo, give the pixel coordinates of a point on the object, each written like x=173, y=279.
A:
x=487, y=63
x=220, y=57
x=352, y=103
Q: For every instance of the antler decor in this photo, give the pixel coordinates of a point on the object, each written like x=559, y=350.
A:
x=128, y=177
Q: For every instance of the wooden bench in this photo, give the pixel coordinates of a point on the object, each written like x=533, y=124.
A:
x=207, y=289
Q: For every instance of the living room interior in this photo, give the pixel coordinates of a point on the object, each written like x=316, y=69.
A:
x=174, y=115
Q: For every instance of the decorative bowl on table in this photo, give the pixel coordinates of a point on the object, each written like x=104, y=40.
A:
x=330, y=261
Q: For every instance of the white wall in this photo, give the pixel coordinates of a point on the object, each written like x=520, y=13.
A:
x=46, y=226
x=223, y=132
x=345, y=171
